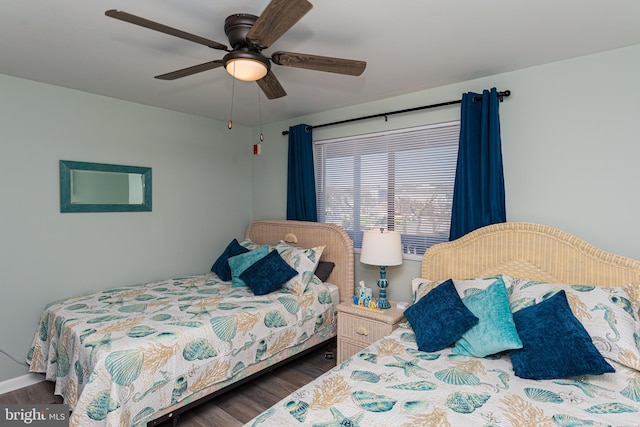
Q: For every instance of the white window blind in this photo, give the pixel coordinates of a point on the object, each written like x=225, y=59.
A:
x=400, y=180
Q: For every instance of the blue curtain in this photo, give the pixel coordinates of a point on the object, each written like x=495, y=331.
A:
x=301, y=186
x=478, y=194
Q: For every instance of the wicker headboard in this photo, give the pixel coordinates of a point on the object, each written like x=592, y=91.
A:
x=339, y=247
x=528, y=251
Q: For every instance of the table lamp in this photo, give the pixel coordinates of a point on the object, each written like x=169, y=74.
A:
x=382, y=248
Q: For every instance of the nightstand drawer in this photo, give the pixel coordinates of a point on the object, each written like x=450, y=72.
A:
x=347, y=349
x=360, y=329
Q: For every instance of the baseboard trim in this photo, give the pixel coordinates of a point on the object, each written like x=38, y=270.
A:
x=19, y=382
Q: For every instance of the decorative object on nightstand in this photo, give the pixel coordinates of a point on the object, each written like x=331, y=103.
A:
x=363, y=291
x=363, y=297
x=384, y=249
x=358, y=327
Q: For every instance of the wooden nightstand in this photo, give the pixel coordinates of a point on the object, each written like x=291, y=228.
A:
x=359, y=327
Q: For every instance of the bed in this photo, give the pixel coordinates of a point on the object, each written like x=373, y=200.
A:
x=551, y=281
x=140, y=355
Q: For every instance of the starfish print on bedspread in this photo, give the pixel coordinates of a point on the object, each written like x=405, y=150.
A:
x=101, y=344
x=340, y=420
x=409, y=366
x=197, y=314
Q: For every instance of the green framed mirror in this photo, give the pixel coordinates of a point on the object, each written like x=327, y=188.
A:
x=100, y=187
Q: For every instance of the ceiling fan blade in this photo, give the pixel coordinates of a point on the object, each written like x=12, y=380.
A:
x=271, y=86
x=319, y=63
x=133, y=19
x=191, y=70
x=276, y=19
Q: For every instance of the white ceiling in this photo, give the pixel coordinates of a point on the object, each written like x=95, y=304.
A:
x=409, y=45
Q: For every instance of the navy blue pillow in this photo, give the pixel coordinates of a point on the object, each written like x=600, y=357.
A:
x=221, y=266
x=439, y=318
x=268, y=274
x=554, y=343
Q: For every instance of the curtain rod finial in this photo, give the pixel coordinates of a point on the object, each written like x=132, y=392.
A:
x=501, y=95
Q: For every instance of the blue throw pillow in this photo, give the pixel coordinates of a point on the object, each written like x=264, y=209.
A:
x=439, y=318
x=268, y=274
x=495, y=332
x=555, y=344
x=221, y=266
x=240, y=263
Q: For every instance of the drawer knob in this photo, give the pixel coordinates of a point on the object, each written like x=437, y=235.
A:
x=362, y=331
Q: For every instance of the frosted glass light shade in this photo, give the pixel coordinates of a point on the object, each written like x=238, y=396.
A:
x=381, y=247
x=246, y=69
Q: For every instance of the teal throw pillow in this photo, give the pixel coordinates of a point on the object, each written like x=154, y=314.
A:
x=439, y=318
x=554, y=343
x=495, y=331
x=221, y=265
x=240, y=263
x=268, y=274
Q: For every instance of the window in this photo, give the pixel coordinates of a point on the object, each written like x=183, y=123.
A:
x=400, y=180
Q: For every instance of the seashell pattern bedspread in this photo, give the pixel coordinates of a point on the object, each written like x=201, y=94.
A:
x=391, y=383
x=121, y=355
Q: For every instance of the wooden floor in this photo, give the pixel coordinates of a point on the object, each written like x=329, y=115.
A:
x=232, y=409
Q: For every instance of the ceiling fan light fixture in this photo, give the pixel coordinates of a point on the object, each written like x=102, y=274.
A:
x=248, y=36
x=246, y=65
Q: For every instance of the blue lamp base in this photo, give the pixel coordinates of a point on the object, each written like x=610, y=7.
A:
x=383, y=302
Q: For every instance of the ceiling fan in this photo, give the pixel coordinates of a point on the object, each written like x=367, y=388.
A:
x=248, y=36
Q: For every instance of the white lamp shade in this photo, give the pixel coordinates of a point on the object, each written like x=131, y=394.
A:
x=381, y=247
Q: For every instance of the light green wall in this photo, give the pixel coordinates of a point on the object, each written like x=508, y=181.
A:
x=201, y=180
x=570, y=147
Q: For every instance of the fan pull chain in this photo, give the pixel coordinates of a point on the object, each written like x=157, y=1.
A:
x=260, y=115
x=233, y=91
x=257, y=148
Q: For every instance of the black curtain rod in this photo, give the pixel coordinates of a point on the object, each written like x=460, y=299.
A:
x=476, y=98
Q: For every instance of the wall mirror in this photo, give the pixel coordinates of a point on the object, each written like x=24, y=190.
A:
x=99, y=187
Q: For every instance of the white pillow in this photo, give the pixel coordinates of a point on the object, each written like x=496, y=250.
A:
x=251, y=245
x=608, y=315
x=465, y=287
x=303, y=260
